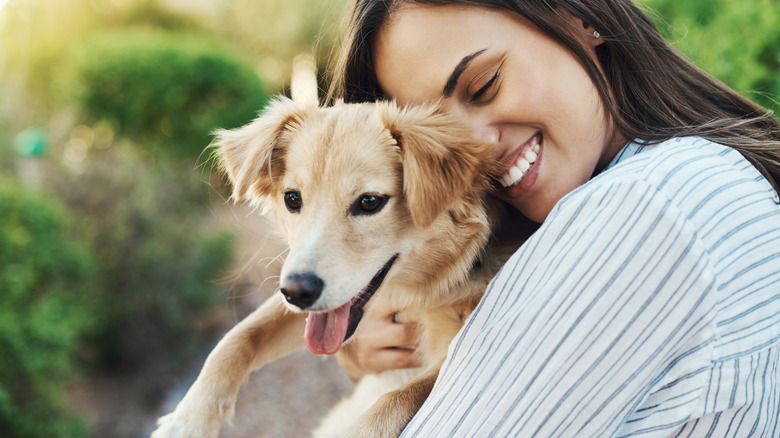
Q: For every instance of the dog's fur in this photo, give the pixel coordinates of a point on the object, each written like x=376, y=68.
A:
x=435, y=220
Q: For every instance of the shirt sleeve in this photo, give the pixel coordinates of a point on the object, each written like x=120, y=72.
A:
x=608, y=296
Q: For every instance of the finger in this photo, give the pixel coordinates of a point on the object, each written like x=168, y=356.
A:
x=389, y=336
x=378, y=312
x=404, y=316
x=402, y=335
x=392, y=358
x=384, y=333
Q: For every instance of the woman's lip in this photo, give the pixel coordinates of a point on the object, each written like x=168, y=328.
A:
x=528, y=181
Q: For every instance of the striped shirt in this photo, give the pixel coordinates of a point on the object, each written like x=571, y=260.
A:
x=647, y=304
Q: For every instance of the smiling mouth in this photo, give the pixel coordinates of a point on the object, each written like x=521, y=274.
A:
x=326, y=331
x=519, y=169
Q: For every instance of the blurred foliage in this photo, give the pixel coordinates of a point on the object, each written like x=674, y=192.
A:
x=152, y=14
x=121, y=278
x=37, y=38
x=168, y=91
x=159, y=261
x=48, y=286
x=736, y=41
x=273, y=32
x=7, y=154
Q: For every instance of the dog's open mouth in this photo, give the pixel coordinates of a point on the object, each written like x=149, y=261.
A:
x=326, y=331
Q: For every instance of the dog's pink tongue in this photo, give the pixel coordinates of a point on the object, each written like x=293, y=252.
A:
x=326, y=331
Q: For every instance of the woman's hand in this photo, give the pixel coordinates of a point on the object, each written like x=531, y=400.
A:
x=382, y=342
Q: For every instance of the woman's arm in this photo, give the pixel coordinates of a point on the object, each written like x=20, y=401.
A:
x=610, y=299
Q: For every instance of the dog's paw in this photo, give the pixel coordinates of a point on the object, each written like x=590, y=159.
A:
x=175, y=426
x=200, y=414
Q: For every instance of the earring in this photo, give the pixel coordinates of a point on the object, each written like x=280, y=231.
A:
x=596, y=34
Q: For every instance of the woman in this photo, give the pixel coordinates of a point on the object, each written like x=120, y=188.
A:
x=648, y=302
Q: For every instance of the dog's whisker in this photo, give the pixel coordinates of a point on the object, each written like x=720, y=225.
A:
x=268, y=260
x=279, y=258
x=276, y=279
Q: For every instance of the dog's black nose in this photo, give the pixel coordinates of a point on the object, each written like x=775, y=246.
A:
x=302, y=290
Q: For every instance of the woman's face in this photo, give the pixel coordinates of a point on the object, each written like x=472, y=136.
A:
x=513, y=85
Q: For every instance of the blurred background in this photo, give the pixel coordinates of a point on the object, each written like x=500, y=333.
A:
x=121, y=262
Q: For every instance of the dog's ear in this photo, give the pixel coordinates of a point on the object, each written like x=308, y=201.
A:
x=441, y=161
x=253, y=155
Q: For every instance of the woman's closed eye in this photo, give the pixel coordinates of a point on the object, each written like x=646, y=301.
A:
x=488, y=90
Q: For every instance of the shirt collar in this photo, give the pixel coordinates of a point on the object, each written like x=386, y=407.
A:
x=629, y=150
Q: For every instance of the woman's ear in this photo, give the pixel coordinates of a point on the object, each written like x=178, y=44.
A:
x=440, y=160
x=253, y=156
x=592, y=36
x=584, y=31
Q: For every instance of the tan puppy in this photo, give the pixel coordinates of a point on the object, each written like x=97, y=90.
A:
x=368, y=195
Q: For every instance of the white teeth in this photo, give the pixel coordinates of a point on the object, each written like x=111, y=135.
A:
x=523, y=163
x=507, y=180
x=515, y=173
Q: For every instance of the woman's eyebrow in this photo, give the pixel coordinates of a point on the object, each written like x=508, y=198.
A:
x=452, y=81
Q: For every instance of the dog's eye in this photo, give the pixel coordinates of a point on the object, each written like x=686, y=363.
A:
x=368, y=204
x=292, y=199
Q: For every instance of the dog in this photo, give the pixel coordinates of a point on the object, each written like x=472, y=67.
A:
x=378, y=202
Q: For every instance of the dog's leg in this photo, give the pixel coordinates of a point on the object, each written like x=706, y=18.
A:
x=390, y=414
x=270, y=332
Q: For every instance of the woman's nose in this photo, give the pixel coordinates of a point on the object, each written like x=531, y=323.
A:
x=486, y=133
x=478, y=122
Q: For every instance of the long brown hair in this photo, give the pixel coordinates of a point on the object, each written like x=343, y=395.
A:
x=652, y=92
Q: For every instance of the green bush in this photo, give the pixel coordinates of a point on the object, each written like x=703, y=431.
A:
x=166, y=90
x=160, y=262
x=47, y=282
x=737, y=42
x=7, y=155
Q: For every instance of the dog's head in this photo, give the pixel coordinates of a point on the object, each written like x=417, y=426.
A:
x=362, y=192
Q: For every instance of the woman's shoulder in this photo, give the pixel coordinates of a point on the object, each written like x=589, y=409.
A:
x=709, y=190
x=701, y=182
x=677, y=156
x=688, y=168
